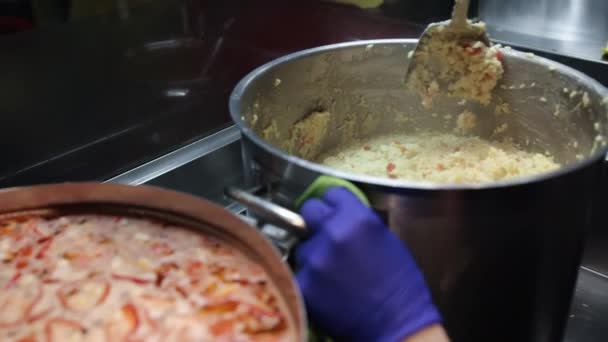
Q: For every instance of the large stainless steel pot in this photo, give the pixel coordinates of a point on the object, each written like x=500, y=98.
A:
x=169, y=206
x=501, y=258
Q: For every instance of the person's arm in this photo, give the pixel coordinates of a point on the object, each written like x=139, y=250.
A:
x=434, y=333
x=359, y=281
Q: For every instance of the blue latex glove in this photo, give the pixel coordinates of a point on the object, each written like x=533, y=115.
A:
x=359, y=281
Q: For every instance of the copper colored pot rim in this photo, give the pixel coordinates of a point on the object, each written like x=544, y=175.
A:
x=171, y=206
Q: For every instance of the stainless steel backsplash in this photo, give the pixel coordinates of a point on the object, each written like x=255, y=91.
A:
x=575, y=27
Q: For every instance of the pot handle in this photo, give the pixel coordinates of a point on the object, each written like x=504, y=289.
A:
x=268, y=211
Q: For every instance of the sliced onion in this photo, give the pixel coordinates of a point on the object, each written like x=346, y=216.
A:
x=60, y=329
x=39, y=308
x=14, y=304
x=83, y=295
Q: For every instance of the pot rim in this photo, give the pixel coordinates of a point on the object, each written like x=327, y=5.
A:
x=182, y=209
x=241, y=87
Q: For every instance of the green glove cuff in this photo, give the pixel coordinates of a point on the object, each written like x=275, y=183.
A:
x=318, y=188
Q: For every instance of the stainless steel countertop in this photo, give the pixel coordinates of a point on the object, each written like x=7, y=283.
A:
x=589, y=310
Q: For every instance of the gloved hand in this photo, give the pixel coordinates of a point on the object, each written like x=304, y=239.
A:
x=359, y=281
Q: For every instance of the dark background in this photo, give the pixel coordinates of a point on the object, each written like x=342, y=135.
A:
x=90, y=89
x=85, y=96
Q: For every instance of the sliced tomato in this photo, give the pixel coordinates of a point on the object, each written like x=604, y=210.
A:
x=46, y=245
x=71, y=255
x=61, y=329
x=266, y=338
x=22, y=256
x=217, y=291
x=194, y=268
x=13, y=281
x=500, y=55
x=221, y=306
x=83, y=295
x=162, y=248
x=148, y=327
x=124, y=323
x=265, y=297
x=181, y=291
x=133, y=279
x=225, y=272
x=469, y=49
x=162, y=271
x=25, y=251
x=173, y=289
x=473, y=51
x=29, y=338
x=260, y=311
x=131, y=318
x=44, y=239
x=231, y=275
x=21, y=264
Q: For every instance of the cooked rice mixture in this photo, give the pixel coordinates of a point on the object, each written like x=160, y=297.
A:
x=437, y=157
x=469, y=69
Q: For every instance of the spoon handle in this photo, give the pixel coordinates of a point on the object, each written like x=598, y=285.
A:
x=459, y=13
